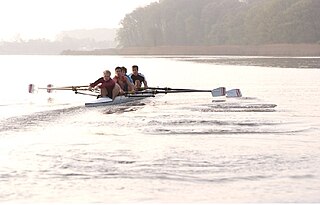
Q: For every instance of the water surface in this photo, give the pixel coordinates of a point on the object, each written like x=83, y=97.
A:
x=188, y=147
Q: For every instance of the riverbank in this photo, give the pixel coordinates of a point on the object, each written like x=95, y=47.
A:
x=248, y=50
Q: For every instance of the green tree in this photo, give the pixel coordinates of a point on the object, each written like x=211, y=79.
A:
x=221, y=22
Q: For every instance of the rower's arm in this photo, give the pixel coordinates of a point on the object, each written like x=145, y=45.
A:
x=145, y=84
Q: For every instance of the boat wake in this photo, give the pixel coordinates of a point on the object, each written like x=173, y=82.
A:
x=217, y=131
x=221, y=125
x=237, y=107
x=223, y=117
x=28, y=121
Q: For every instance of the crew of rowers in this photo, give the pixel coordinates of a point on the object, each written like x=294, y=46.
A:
x=121, y=83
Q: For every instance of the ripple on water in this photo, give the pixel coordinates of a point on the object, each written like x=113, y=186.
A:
x=230, y=116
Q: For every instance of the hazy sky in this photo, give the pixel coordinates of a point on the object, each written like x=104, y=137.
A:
x=46, y=18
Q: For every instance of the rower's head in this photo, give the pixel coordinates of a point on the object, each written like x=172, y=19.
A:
x=106, y=74
x=135, y=69
x=118, y=71
x=124, y=70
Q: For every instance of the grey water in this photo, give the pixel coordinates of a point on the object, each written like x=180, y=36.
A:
x=189, y=147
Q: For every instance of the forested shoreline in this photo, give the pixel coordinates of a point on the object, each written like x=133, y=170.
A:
x=256, y=50
x=221, y=22
x=196, y=27
x=219, y=27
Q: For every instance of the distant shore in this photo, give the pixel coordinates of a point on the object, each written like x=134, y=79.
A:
x=248, y=50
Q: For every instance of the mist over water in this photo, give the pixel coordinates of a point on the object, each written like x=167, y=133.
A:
x=187, y=147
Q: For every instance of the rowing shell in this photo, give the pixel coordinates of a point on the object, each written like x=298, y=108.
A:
x=138, y=95
x=105, y=101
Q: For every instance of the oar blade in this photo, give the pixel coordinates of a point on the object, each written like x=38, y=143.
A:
x=221, y=91
x=49, y=88
x=234, y=93
x=31, y=88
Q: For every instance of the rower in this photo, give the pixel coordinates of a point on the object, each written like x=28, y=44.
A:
x=107, y=86
x=138, y=78
x=123, y=81
x=124, y=72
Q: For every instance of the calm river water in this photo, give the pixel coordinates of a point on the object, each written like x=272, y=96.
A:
x=188, y=147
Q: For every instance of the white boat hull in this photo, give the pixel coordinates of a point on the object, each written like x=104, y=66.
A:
x=105, y=101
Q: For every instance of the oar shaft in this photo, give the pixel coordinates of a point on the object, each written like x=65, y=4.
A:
x=139, y=96
x=55, y=88
x=73, y=86
x=166, y=88
x=86, y=94
x=182, y=91
x=215, y=92
x=64, y=87
x=168, y=91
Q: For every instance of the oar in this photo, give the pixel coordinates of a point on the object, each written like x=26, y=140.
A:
x=166, y=88
x=74, y=86
x=64, y=87
x=72, y=89
x=130, y=95
x=81, y=93
x=50, y=88
x=221, y=91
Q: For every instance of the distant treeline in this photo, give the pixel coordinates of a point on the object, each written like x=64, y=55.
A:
x=46, y=47
x=222, y=22
x=82, y=40
x=247, y=50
